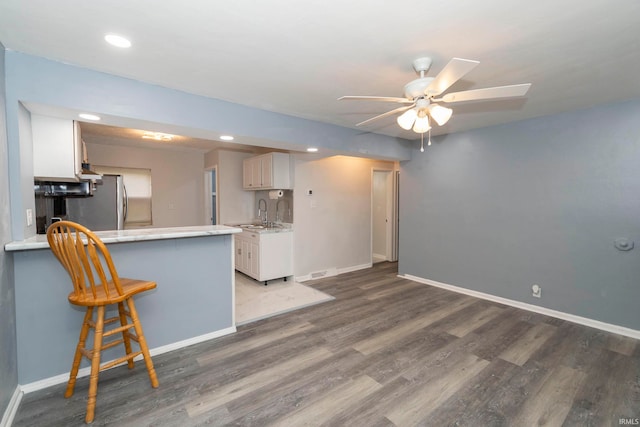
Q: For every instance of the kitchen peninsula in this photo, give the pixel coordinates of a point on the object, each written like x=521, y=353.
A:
x=194, y=300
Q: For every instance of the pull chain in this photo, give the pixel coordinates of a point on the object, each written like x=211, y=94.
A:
x=422, y=142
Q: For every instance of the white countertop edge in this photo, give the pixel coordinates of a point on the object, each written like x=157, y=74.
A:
x=135, y=235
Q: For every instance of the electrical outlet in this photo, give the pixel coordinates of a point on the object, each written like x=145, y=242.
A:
x=29, y=217
x=536, y=291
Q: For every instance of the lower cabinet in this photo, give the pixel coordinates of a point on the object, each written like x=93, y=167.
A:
x=264, y=256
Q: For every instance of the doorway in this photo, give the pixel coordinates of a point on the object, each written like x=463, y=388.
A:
x=210, y=196
x=384, y=209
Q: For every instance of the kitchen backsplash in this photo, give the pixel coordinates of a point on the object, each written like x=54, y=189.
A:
x=284, y=205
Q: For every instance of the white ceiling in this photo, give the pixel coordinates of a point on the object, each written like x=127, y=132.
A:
x=298, y=57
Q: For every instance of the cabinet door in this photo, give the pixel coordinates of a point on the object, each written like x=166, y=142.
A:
x=256, y=172
x=57, y=148
x=247, y=174
x=246, y=257
x=254, y=260
x=237, y=243
x=266, y=163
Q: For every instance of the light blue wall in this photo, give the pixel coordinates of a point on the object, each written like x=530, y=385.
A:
x=182, y=307
x=8, y=363
x=541, y=201
x=37, y=80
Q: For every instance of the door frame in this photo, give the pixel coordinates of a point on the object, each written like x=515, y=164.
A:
x=391, y=229
x=208, y=192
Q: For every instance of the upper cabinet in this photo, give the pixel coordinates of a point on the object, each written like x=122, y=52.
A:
x=57, y=149
x=268, y=171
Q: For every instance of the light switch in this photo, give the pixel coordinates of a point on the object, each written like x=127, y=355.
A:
x=29, y=217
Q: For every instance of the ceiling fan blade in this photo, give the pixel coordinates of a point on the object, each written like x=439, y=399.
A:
x=487, y=93
x=388, y=113
x=451, y=73
x=377, y=98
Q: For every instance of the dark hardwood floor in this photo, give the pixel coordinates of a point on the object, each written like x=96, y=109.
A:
x=385, y=352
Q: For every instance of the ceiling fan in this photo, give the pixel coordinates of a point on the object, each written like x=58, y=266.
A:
x=423, y=95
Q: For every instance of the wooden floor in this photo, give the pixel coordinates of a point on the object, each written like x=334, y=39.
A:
x=385, y=352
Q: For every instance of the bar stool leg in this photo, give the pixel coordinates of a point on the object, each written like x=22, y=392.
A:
x=84, y=332
x=125, y=334
x=143, y=343
x=95, y=365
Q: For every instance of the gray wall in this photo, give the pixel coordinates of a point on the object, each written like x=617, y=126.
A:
x=8, y=364
x=541, y=201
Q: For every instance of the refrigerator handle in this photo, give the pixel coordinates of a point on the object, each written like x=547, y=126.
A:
x=125, y=202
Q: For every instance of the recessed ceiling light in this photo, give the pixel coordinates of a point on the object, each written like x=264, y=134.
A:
x=88, y=116
x=226, y=137
x=158, y=136
x=118, y=41
x=312, y=150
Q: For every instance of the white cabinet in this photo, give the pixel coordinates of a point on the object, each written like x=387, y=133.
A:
x=252, y=173
x=268, y=171
x=264, y=256
x=57, y=148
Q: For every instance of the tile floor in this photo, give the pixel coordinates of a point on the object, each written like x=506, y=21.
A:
x=254, y=301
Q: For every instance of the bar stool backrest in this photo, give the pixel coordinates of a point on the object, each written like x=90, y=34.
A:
x=86, y=259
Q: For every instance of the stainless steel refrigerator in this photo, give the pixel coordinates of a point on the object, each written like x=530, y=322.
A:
x=105, y=210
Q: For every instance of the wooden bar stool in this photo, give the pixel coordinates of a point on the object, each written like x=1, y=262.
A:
x=96, y=284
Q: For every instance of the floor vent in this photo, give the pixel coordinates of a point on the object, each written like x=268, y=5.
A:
x=317, y=274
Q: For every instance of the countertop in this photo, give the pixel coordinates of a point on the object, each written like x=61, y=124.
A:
x=135, y=235
x=260, y=229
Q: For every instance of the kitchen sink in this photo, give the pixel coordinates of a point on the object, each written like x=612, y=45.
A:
x=261, y=227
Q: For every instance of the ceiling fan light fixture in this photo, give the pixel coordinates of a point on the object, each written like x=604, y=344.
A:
x=117, y=41
x=406, y=119
x=440, y=114
x=421, y=125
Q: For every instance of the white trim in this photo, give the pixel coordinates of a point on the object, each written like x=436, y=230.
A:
x=332, y=271
x=320, y=274
x=191, y=341
x=378, y=258
x=84, y=372
x=12, y=408
x=608, y=327
x=355, y=268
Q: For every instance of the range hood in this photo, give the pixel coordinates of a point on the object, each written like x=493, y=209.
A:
x=67, y=189
x=88, y=175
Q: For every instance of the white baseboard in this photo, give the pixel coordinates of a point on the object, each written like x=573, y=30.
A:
x=329, y=272
x=378, y=258
x=191, y=341
x=608, y=327
x=320, y=274
x=12, y=408
x=354, y=268
x=84, y=372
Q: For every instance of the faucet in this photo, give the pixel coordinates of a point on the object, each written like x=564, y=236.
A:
x=260, y=202
x=278, y=209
